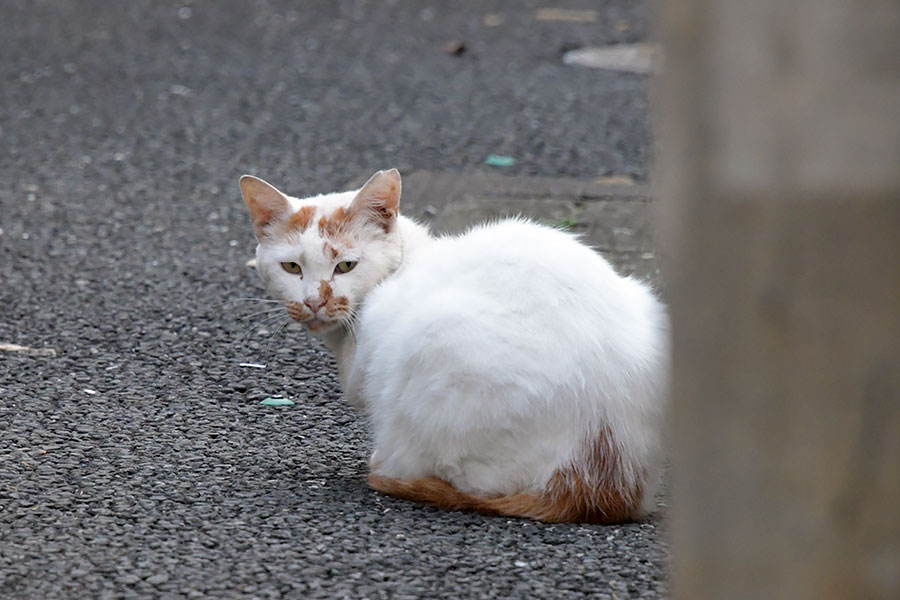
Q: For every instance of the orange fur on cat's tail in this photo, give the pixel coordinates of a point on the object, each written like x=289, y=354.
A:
x=568, y=500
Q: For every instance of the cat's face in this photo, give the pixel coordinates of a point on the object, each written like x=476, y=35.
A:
x=322, y=255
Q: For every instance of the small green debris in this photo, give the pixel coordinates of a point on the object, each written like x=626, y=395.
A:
x=276, y=401
x=499, y=160
x=571, y=221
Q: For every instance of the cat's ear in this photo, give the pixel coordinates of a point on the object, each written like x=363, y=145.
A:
x=264, y=201
x=379, y=199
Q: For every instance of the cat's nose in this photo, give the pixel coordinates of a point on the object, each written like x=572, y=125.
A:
x=314, y=304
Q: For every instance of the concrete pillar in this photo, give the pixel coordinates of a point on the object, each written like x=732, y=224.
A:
x=779, y=209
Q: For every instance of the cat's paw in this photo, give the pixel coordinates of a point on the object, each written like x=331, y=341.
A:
x=373, y=461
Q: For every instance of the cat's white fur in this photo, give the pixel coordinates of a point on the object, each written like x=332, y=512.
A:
x=490, y=360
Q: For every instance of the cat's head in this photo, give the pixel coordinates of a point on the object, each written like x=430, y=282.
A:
x=322, y=255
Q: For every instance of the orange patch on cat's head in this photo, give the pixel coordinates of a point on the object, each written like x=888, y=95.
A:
x=329, y=249
x=333, y=224
x=333, y=305
x=337, y=306
x=301, y=219
x=298, y=311
x=325, y=292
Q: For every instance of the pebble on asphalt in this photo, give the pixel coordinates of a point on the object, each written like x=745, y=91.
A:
x=630, y=58
x=27, y=350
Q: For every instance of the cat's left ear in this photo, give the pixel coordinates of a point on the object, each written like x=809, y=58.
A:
x=264, y=201
x=379, y=199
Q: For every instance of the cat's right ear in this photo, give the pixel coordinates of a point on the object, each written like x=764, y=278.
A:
x=264, y=201
x=378, y=200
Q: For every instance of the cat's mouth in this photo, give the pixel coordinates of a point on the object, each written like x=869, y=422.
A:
x=304, y=315
x=316, y=324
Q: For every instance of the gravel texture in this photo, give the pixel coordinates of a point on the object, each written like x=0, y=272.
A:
x=137, y=461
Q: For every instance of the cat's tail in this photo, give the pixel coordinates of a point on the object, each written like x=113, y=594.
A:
x=563, y=502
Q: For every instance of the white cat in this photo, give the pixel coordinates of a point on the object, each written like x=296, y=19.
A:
x=508, y=370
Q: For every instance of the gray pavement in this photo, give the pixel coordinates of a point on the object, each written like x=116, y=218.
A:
x=135, y=459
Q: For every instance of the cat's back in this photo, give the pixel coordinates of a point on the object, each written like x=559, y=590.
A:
x=514, y=284
x=521, y=264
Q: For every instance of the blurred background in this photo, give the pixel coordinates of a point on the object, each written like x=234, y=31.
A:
x=314, y=92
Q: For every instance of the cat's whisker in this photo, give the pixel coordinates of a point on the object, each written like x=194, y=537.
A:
x=248, y=298
x=262, y=312
x=275, y=319
x=349, y=324
x=266, y=322
x=235, y=300
x=281, y=328
x=254, y=328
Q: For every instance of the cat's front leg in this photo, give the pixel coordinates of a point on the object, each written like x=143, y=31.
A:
x=349, y=375
x=373, y=461
x=351, y=384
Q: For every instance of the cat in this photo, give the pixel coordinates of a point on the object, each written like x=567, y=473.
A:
x=508, y=370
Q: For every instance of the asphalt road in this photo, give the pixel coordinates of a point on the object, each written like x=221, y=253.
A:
x=136, y=460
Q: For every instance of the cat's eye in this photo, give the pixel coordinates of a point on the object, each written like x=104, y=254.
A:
x=345, y=266
x=291, y=267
